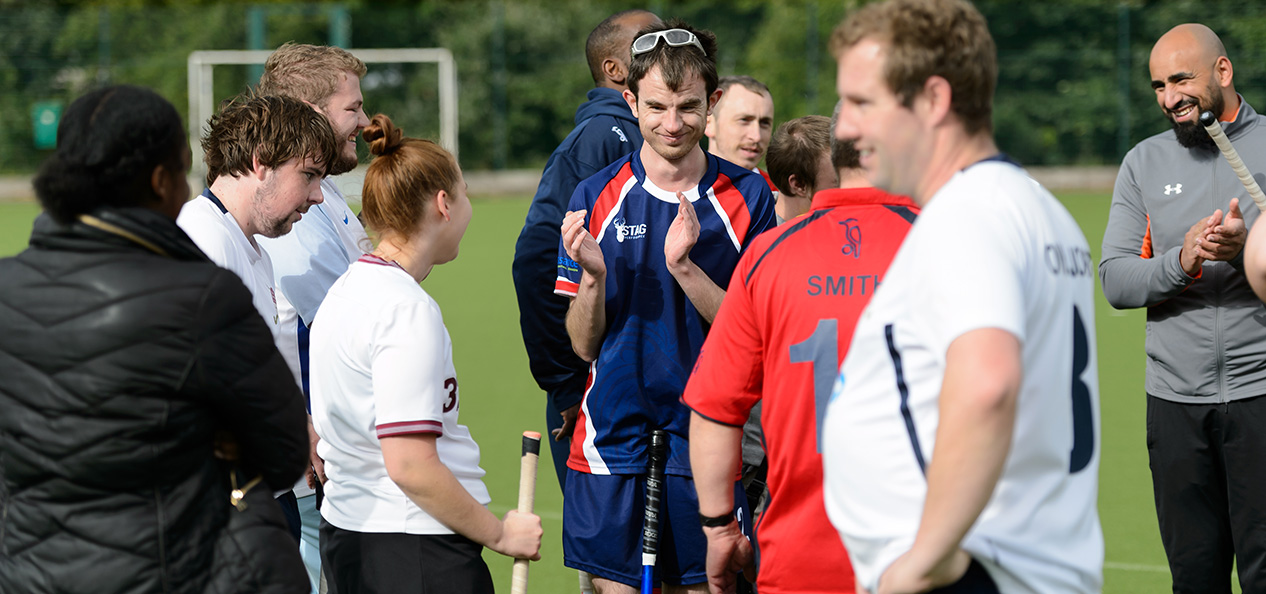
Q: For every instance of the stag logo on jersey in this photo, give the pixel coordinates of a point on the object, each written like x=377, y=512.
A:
x=853, y=235
x=1173, y=189
x=617, y=130
x=625, y=231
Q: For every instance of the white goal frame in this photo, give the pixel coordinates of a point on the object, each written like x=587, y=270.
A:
x=202, y=96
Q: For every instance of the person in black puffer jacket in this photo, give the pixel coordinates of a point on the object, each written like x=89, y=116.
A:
x=124, y=352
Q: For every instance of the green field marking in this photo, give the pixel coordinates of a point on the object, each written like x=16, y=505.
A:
x=500, y=400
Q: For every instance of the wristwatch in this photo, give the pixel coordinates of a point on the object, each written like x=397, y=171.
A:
x=716, y=521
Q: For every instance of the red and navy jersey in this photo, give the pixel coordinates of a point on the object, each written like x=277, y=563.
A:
x=780, y=336
x=769, y=180
x=654, y=332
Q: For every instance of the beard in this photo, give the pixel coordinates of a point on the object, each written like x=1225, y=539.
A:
x=277, y=227
x=342, y=164
x=1192, y=135
x=269, y=227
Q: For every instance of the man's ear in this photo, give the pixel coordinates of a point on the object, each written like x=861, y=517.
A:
x=258, y=170
x=615, y=71
x=1223, y=71
x=712, y=100
x=798, y=187
x=315, y=107
x=631, y=99
x=933, y=103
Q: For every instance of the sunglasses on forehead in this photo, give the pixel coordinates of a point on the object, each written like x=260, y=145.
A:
x=673, y=37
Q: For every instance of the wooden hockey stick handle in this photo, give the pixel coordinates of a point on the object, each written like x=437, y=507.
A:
x=527, y=499
x=1211, y=125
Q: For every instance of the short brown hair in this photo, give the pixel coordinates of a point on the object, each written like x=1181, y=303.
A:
x=844, y=153
x=404, y=174
x=308, y=72
x=796, y=148
x=744, y=81
x=925, y=38
x=272, y=129
x=675, y=63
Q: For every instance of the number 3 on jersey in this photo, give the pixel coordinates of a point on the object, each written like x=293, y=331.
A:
x=450, y=384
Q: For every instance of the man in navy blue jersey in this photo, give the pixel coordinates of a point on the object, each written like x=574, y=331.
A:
x=605, y=131
x=648, y=247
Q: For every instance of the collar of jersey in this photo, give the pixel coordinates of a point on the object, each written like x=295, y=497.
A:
x=376, y=261
x=639, y=172
x=252, y=251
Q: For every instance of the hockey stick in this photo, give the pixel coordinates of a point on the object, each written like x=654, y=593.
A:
x=527, y=497
x=654, y=492
x=1211, y=125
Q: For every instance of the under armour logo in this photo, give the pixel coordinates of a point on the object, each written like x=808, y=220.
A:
x=1176, y=189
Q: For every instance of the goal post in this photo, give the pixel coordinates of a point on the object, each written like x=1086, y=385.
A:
x=202, y=96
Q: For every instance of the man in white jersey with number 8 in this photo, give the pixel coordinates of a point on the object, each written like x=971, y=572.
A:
x=962, y=440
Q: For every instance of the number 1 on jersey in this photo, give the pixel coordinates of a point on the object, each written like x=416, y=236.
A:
x=822, y=350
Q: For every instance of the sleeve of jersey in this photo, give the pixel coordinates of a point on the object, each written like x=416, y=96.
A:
x=408, y=370
x=567, y=283
x=207, y=238
x=1131, y=273
x=726, y=382
x=974, y=257
x=763, y=216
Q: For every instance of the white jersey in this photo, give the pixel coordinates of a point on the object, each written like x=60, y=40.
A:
x=306, y=261
x=214, y=230
x=382, y=366
x=992, y=249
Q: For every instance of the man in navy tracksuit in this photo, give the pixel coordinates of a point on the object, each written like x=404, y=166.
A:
x=605, y=131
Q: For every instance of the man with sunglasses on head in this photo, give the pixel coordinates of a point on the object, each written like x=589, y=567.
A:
x=605, y=131
x=648, y=247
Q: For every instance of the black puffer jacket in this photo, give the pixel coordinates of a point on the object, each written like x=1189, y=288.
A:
x=122, y=350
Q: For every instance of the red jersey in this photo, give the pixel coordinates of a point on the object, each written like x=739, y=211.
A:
x=780, y=336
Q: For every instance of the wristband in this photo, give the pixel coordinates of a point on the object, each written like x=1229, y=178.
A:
x=716, y=522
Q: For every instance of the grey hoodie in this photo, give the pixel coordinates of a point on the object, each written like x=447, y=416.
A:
x=1206, y=337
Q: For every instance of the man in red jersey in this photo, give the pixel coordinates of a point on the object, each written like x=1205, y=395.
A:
x=779, y=338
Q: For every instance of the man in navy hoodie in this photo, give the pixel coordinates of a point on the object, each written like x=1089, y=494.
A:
x=605, y=131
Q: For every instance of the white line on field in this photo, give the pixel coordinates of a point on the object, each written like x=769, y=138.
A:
x=1135, y=567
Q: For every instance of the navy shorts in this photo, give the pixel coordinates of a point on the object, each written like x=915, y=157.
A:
x=602, y=528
